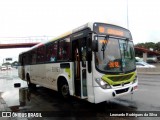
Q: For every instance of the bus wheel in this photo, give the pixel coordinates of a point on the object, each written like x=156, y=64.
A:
x=30, y=85
x=64, y=89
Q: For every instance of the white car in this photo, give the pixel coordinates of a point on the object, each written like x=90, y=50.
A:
x=138, y=59
x=3, y=68
x=144, y=65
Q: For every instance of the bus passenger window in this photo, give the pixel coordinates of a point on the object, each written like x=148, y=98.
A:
x=51, y=52
x=33, y=57
x=41, y=54
x=53, y=58
x=64, y=49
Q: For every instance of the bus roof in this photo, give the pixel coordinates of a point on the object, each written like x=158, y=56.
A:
x=87, y=25
x=61, y=36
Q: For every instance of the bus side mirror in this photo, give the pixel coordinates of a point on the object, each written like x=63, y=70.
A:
x=95, y=45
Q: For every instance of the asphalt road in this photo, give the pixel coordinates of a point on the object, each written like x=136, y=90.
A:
x=147, y=98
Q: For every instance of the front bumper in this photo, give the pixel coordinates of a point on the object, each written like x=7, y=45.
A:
x=102, y=95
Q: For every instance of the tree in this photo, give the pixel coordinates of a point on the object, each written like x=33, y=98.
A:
x=157, y=46
x=149, y=45
x=15, y=63
x=146, y=45
x=6, y=64
x=140, y=45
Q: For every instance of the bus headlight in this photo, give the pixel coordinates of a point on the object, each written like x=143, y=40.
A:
x=102, y=83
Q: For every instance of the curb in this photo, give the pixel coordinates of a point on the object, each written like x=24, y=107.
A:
x=4, y=108
x=3, y=105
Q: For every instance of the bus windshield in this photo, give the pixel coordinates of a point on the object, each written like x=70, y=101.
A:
x=115, y=55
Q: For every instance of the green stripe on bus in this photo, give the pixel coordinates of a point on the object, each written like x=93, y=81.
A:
x=125, y=80
x=68, y=71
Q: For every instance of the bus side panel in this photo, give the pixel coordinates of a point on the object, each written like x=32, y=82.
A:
x=90, y=90
x=52, y=73
x=68, y=74
x=33, y=72
x=20, y=73
x=27, y=71
x=71, y=80
x=70, y=77
x=40, y=74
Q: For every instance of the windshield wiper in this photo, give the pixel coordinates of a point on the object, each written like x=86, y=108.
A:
x=125, y=48
x=104, y=45
x=126, y=44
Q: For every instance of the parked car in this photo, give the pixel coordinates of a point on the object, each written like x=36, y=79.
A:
x=3, y=68
x=138, y=59
x=149, y=59
x=152, y=60
x=143, y=64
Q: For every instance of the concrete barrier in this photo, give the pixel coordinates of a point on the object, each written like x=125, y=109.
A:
x=149, y=70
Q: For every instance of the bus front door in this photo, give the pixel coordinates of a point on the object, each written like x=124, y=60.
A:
x=80, y=83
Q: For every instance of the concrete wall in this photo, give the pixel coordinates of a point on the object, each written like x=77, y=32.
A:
x=151, y=70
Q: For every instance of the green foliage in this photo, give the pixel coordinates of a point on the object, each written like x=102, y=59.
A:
x=7, y=63
x=140, y=45
x=15, y=63
x=157, y=46
x=148, y=45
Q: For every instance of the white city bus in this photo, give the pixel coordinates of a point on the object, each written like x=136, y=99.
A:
x=95, y=62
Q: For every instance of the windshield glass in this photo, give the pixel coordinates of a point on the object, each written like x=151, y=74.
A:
x=115, y=55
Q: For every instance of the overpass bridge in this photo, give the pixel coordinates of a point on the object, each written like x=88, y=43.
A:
x=17, y=45
x=145, y=53
x=22, y=42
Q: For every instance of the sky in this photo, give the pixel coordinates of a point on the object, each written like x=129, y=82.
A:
x=25, y=18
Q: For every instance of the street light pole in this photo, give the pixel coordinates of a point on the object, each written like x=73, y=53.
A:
x=127, y=16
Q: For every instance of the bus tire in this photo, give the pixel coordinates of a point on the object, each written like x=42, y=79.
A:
x=30, y=85
x=63, y=89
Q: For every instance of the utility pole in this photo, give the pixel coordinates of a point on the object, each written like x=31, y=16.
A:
x=127, y=16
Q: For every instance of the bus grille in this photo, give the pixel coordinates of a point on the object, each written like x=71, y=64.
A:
x=121, y=84
x=120, y=78
x=121, y=91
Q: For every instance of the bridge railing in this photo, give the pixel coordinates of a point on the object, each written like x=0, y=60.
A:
x=30, y=39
